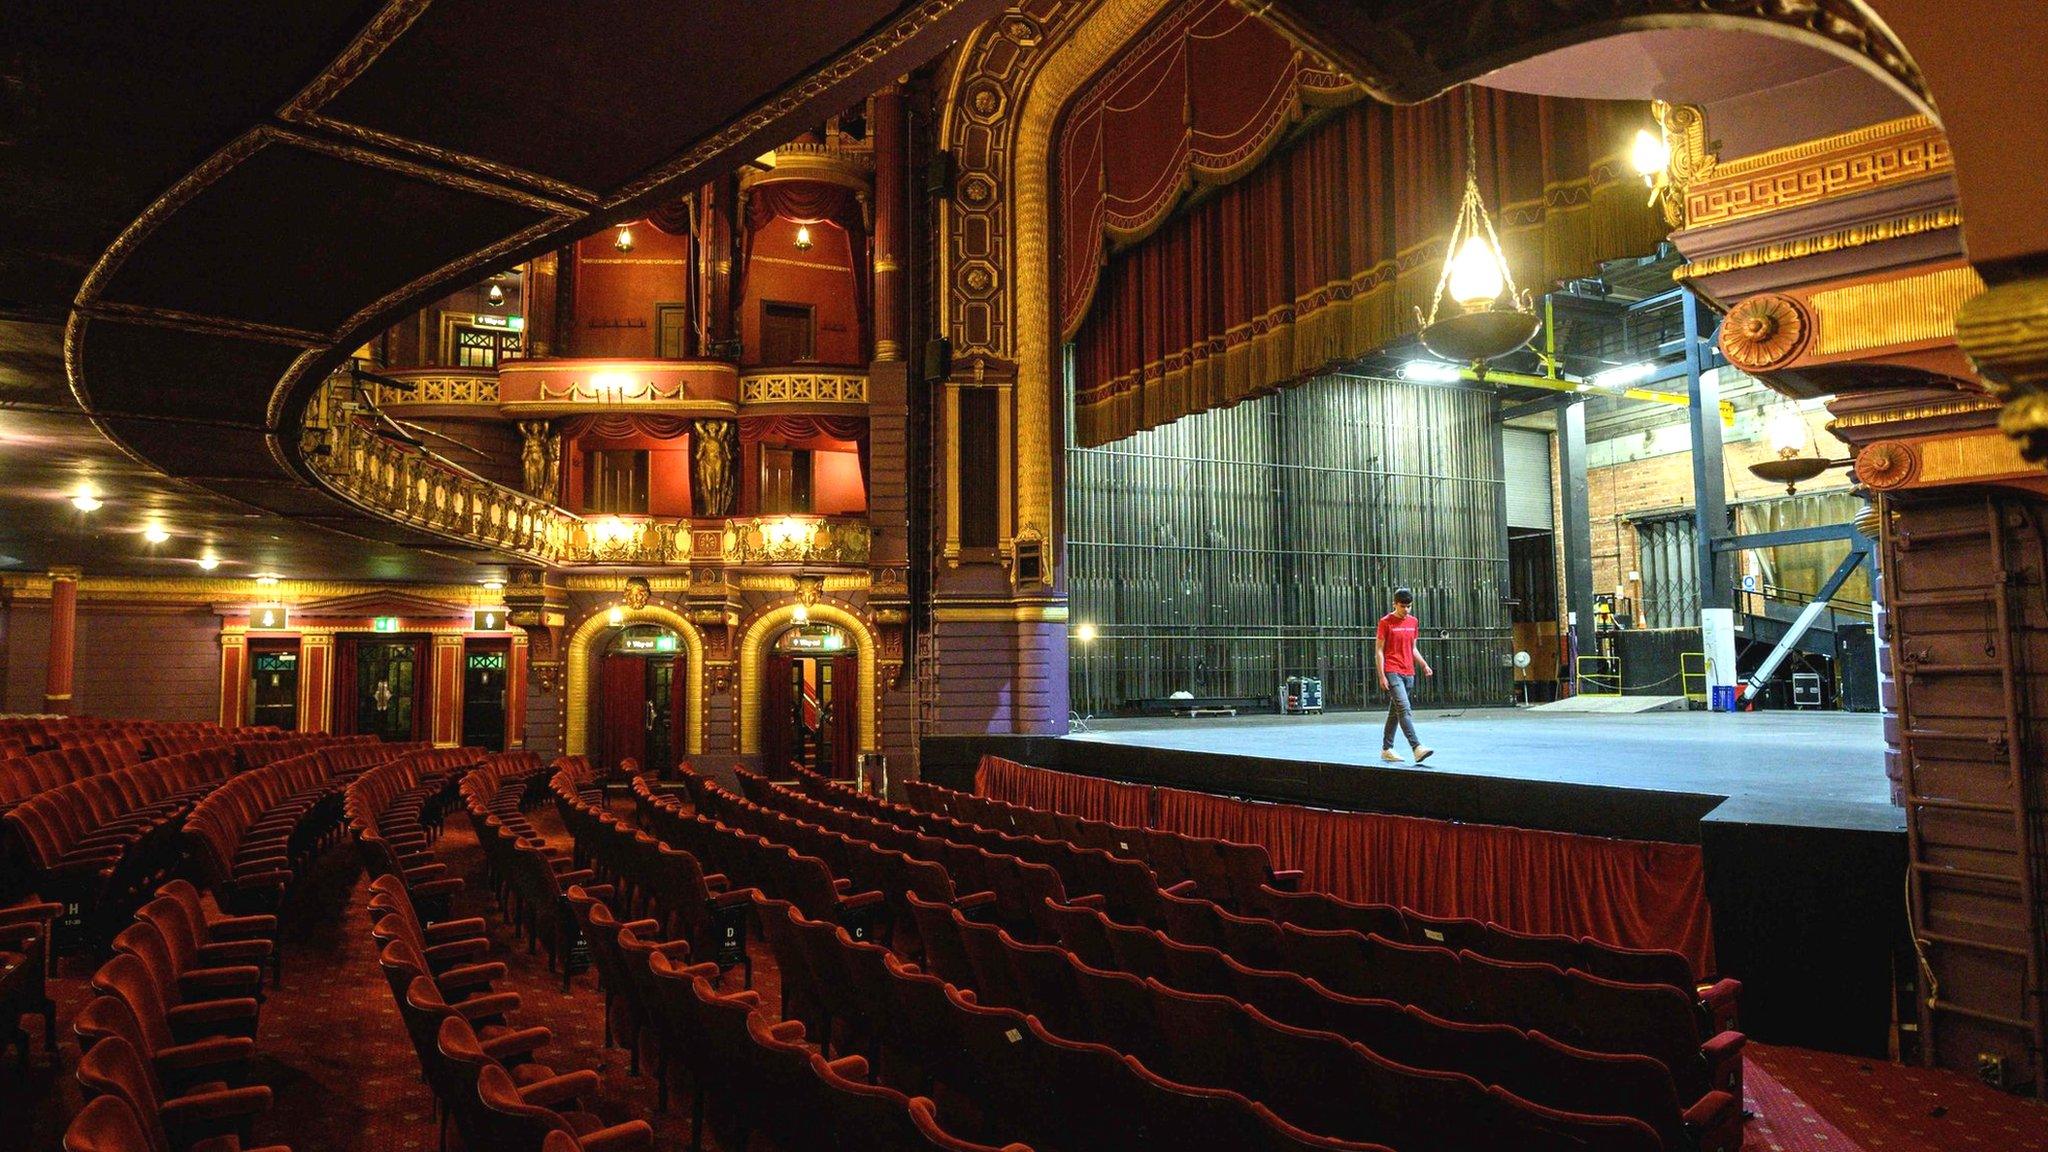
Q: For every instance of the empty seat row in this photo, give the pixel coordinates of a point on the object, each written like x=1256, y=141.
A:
x=1532, y=1063
x=1229, y=872
x=1569, y=1005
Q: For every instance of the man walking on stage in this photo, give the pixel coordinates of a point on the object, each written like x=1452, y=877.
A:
x=1398, y=661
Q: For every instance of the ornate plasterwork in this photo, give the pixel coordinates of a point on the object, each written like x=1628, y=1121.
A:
x=775, y=386
x=1863, y=160
x=1877, y=232
x=576, y=728
x=1888, y=313
x=2005, y=333
x=1764, y=331
x=761, y=632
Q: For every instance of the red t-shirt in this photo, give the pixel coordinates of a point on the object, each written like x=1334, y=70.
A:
x=1397, y=642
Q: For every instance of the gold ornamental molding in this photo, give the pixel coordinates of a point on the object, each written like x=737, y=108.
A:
x=581, y=657
x=1889, y=313
x=1764, y=331
x=1035, y=613
x=1864, y=160
x=1978, y=456
x=834, y=582
x=214, y=590
x=1961, y=406
x=803, y=387
x=1896, y=228
x=797, y=540
x=2005, y=333
x=538, y=388
x=438, y=388
x=754, y=645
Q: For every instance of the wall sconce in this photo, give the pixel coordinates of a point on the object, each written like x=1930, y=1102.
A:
x=803, y=237
x=624, y=240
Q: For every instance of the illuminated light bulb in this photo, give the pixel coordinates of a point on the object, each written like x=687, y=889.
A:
x=802, y=615
x=1650, y=155
x=495, y=297
x=87, y=499
x=616, y=616
x=1787, y=431
x=1476, y=279
x=209, y=562
x=156, y=534
x=1085, y=633
x=494, y=585
x=803, y=237
x=266, y=581
x=624, y=240
x=1430, y=371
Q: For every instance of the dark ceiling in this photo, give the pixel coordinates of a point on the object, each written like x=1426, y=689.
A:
x=218, y=199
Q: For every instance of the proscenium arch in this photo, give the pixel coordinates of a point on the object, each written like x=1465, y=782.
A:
x=754, y=654
x=576, y=737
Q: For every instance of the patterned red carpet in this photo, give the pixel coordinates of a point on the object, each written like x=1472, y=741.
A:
x=346, y=1080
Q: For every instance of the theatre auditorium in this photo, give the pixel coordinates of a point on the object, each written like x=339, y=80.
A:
x=1024, y=576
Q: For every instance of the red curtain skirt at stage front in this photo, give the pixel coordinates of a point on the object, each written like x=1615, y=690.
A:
x=1634, y=893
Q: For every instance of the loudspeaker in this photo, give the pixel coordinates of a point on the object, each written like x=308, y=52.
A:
x=938, y=358
x=1855, y=668
x=939, y=173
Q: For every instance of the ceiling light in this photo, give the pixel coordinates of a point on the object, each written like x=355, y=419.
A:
x=1475, y=277
x=803, y=237
x=1615, y=379
x=209, y=562
x=266, y=581
x=495, y=297
x=87, y=499
x=156, y=534
x=494, y=585
x=1430, y=371
x=624, y=240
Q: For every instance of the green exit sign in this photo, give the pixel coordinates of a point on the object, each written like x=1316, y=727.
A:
x=385, y=623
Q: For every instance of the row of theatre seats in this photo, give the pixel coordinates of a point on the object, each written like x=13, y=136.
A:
x=38, y=753
x=750, y=842
x=99, y=844
x=1178, y=856
x=1649, y=1019
x=749, y=1072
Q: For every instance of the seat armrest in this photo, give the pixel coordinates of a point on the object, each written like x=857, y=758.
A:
x=859, y=900
x=724, y=900
x=469, y=976
x=577, y=876
x=1721, y=1000
x=242, y=927
x=488, y=1006
x=717, y=881
x=214, y=980
x=213, y=1108
x=1094, y=900
x=790, y=1031
x=1724, y=1062
x=208, y=1053
x=462, y=929
x=632, y=1136
x=556, y=1091
x=978, y=899
x=522, y=1042
x=1184, y=888
x=842, y=884
x=1286, y=879
x=1710, y=1112
x=443, y=955
x=235, y=951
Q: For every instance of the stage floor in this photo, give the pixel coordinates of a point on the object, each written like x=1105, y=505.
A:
x=1777, y=760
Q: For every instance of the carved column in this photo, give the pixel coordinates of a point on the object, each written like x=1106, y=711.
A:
x=892, y=212
x=564, y=342
x=63, y=640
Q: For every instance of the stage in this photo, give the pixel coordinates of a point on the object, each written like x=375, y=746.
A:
x=1817, y=761
x=1802, y=851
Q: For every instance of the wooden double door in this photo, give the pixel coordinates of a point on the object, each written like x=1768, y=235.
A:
x=641, y=702
x=809, y=714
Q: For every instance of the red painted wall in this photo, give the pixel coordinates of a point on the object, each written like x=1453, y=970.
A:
x=616, y=291
x=821, y=277
x=147, y=665
x=835, y=483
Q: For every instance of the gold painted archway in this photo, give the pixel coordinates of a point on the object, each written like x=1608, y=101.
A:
x=576, y=734
x=754, y=652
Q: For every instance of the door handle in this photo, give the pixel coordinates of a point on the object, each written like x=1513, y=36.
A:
x=650, y=715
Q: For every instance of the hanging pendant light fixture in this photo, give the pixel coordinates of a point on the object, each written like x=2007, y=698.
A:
x=495, y=298
x=624, y=240
x=803, y=237
x=1494, y=317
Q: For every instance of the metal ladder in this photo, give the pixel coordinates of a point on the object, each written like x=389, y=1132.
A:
x=1976, y=907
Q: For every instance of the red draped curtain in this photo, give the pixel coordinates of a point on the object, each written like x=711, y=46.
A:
x=812, y=202
x=624, y=426
x=1633, y=893
x=1298, y=261
x=800, y=431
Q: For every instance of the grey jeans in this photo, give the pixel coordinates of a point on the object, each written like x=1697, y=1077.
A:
x=1399, y=711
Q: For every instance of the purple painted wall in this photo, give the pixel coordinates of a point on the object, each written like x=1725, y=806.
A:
x=149, y=664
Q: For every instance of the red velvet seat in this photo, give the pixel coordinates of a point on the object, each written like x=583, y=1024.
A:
x=115, y=1069
x=176, y=1068
x=1082, y=931
x=183, y=986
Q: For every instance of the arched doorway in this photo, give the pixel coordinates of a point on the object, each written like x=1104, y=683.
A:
x=811, y=693
x=641, y=699
x=583, y=665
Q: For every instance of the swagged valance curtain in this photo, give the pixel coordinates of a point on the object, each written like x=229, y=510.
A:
x=1317, y=255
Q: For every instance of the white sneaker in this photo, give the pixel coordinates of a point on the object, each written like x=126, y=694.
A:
x=1390, y=756
x=1422, y=753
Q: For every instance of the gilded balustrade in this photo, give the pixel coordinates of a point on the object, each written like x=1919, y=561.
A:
x=802, y=387
x=761, y=540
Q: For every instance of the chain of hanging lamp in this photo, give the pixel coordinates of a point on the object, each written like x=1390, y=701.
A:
x=1472, y=216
